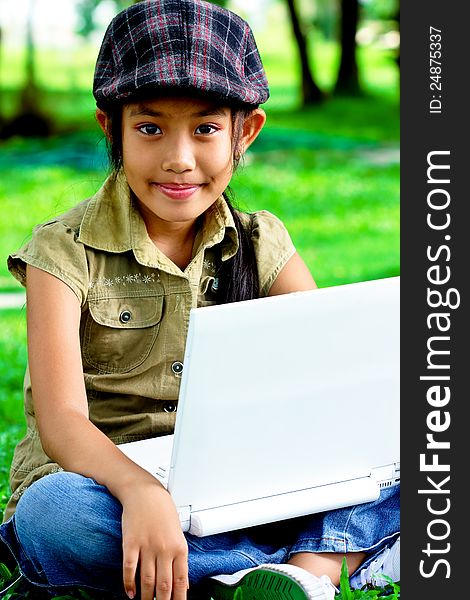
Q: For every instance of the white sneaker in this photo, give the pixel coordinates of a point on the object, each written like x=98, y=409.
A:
x=271, y=582
x=387, y=563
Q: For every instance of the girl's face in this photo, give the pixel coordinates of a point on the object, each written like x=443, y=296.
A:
x=177, y=156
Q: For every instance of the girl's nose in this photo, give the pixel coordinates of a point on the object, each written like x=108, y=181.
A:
x=179, y=158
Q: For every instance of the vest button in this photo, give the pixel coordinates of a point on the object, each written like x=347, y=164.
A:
x=177, y=368
x=169, y=407
x=125, y=316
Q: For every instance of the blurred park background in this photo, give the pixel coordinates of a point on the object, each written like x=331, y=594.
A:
x=327, y=162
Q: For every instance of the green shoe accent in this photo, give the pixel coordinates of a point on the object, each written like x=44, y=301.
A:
x=258, y=585
x=238, y=594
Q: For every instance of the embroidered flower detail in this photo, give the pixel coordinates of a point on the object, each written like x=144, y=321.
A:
x=209, y=265
x=123, y=280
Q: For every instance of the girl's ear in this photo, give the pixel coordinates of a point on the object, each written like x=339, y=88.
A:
x=252, y=125
x=103, y=121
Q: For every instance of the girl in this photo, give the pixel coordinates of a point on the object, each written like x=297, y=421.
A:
x=110, y=284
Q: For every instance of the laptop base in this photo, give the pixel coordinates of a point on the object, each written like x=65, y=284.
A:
x=280, y=507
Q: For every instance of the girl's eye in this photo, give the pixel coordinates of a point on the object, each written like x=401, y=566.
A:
x=206, y=129
x=149, y=129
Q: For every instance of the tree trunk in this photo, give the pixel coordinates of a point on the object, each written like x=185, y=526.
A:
x=311, y=93
x=30, y=91
x=29, y=122
x=347, y=82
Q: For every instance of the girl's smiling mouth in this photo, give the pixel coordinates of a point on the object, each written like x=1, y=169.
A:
x=178, y=191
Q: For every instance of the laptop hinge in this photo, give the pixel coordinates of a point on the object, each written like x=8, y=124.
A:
x=387, y=475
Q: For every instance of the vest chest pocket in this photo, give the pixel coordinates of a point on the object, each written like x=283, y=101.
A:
x=119, y=333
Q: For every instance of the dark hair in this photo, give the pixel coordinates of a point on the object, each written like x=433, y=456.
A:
x=237, y=276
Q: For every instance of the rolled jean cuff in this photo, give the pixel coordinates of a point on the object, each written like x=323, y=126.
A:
x=340, y=546
x=368, y=528
x=26, y=566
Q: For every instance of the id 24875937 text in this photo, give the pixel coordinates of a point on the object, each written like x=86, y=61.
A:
x=435, y=70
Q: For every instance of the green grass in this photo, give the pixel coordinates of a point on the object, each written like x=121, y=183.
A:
x=33, y=195
x=16, y=589
x=341, y=209
x=390, y=591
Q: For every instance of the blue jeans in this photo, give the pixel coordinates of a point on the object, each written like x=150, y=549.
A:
x=66, y=532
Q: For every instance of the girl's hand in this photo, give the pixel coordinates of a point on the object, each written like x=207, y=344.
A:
x=153, y=541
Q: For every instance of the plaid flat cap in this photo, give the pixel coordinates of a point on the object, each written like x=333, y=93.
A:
x=182, y=44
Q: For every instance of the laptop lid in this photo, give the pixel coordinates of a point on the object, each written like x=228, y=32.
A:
x=287, y=393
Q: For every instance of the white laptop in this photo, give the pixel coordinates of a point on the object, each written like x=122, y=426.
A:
x=288, y=406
